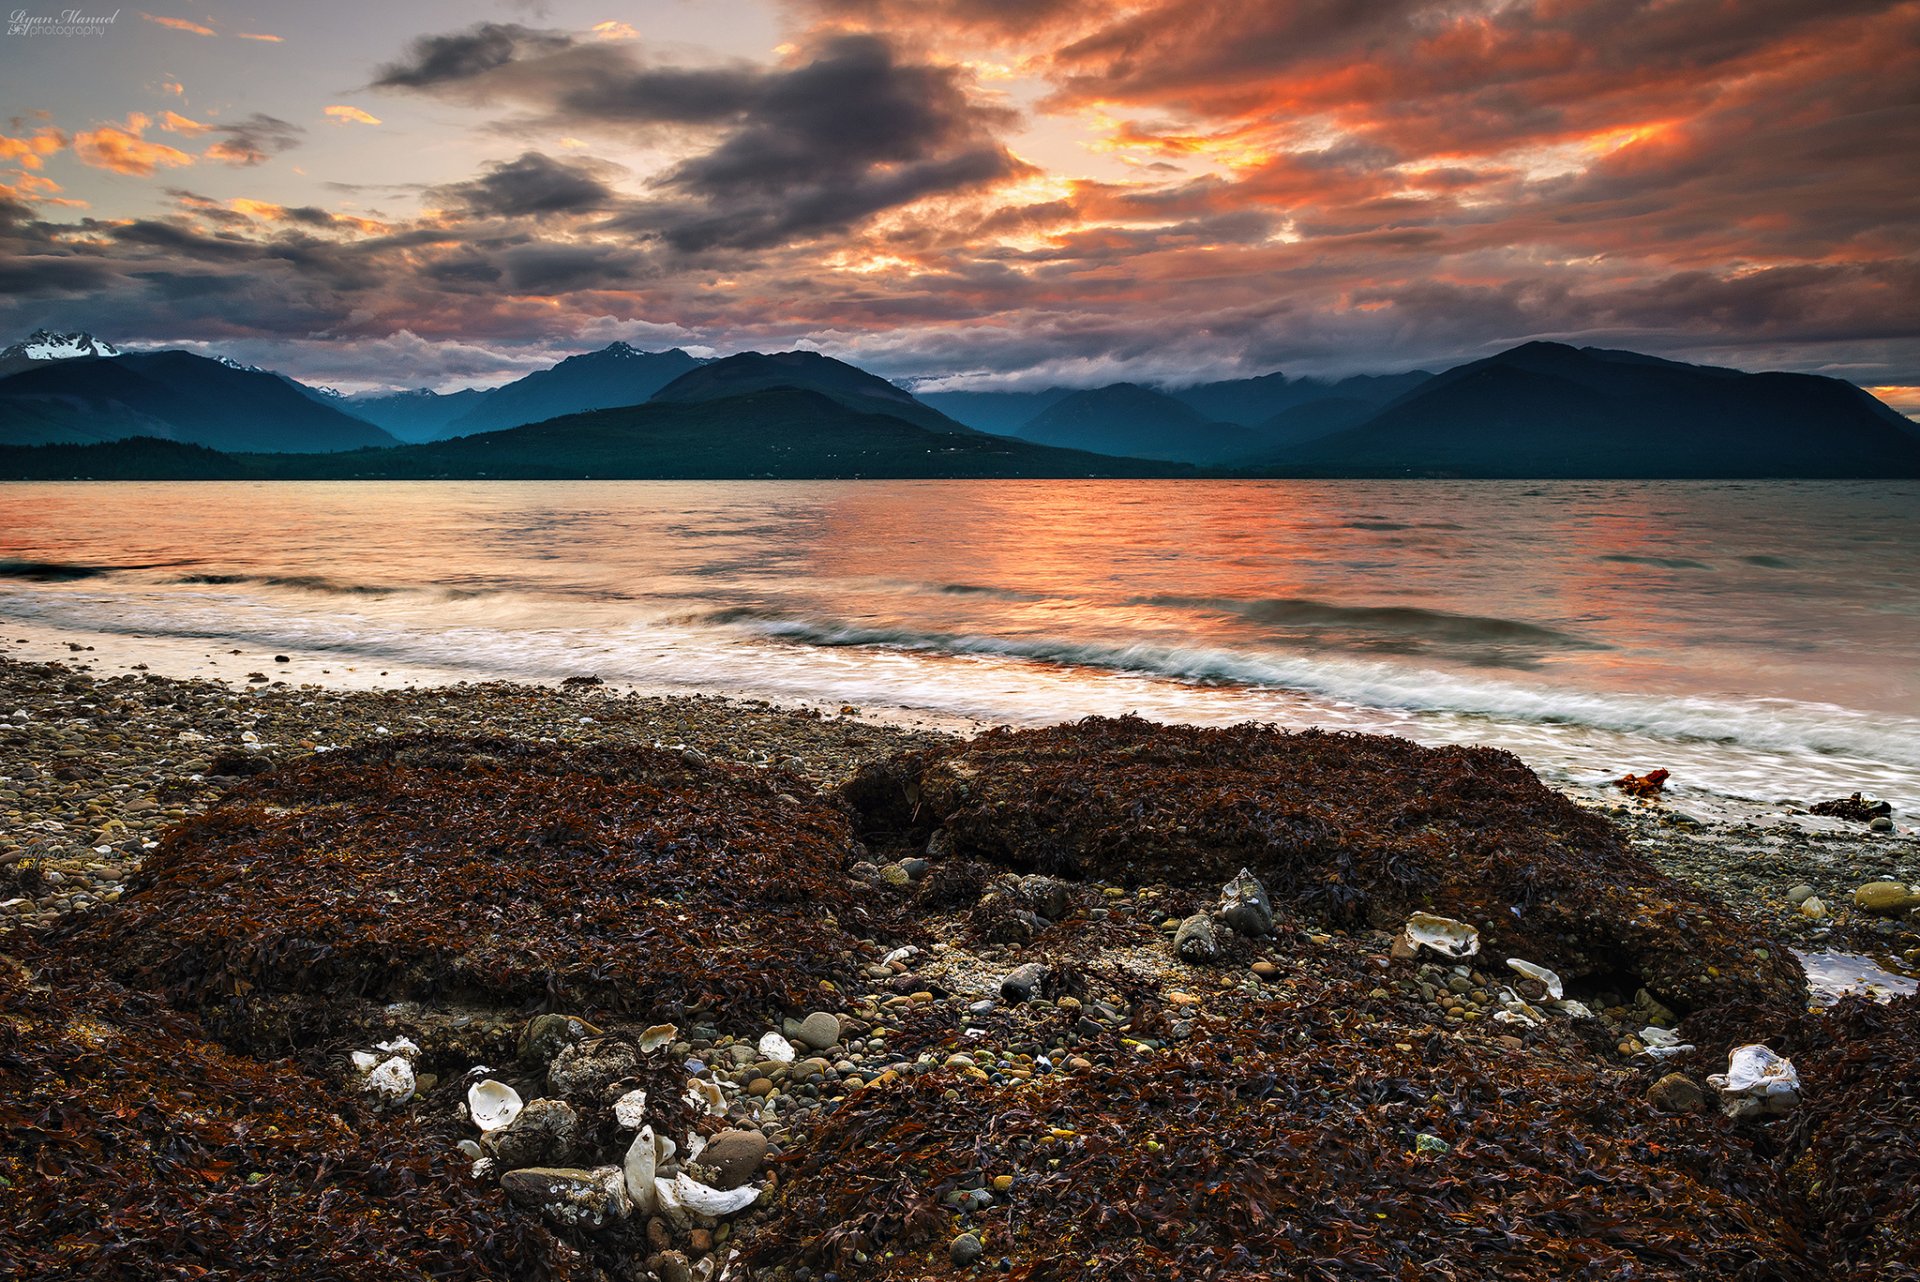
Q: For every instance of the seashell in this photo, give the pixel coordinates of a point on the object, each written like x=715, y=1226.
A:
x=1757, y=1082
x=657, y=1036
x=707, y=1095
x=696, y=1145
x=470, y=1150
x=392, y=1081
x=1555, y=989
x=899, y=955
x=666, y=1198
x=365, y=1060
x=1661, y=1042
x=702, y=1199
x=493, y=1105
x=1443, y=935
x=630, y=1110
x=776, y=1048
x=1573, y=1009
x=398, y=1046
x=483, y=1167
x=664, y=1149
x=639, y=1167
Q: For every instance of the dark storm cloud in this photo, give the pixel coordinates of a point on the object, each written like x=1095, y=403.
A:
x=432, y=61
x=818, y=146
x=534, y=185
x=254, y=140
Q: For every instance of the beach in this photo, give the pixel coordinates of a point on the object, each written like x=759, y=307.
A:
x=974, y=1047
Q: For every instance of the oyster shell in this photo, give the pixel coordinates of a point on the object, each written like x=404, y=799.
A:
x=1442, y=935
x=492, y=1104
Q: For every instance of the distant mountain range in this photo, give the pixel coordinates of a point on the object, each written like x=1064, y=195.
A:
x=1539, y=410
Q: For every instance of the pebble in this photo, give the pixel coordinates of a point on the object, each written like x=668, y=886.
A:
x=966, y=1249
x=819, y=1030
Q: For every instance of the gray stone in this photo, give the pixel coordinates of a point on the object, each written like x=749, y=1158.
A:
x=819, y=1030
x=1800, y=894
x=541, y=1136
x=1194, y=940
x=1244, y=905
x=1022, y=982
x=966, y=1249
x=547, y=1035
x=570, y=1196
x=1880, y=823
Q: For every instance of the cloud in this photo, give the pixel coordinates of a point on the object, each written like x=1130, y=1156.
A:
x=345, y=115
x=174, y=123
x=30, y=150
x=611, y=30
x=122, y=149
x=257, y=35
x=847, y=130
x=253, y=140
x=178, y=24
x=534, y=185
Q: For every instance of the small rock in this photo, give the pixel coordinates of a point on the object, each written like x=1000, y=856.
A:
x=547, y=1035
x=819, y=1030
x=734, y=1157
x=1885, y=898
x=1244, y=905
x=1880, y=823
x=674, y=1268
x=1266, y=969
x=966, y=1250
x=1194, y=940
x=1800, y=894
x=1677, y=1093
x=1022, y=982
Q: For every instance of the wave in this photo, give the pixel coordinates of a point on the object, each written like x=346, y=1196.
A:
x=1775, y=725
x=1400, y=620
x=60, y=571
x=1663, y=562
x=302, y=582
x=994, y=594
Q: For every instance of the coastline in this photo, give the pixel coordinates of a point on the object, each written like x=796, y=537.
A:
x=104, y=762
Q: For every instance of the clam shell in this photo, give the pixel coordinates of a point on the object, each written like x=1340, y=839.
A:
x=1443, y=935
x=776, y=1048
x=704, y=1094
x=657, y=1036
x=492, y=1105
x=1555, y=989
x=702, y=1199
x=630, y=1110
x=1754, y=1069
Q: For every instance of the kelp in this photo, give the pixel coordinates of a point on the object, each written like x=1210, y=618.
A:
x=598, y=881
x=132, y=1147
x=1315, y=1137
x=1351, y=829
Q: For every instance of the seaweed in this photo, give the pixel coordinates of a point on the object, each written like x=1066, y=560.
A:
x=1353, y=829
x=502, y=874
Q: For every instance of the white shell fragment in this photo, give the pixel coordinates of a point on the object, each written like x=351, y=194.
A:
x=657, y=1036
x=493, y=1105
x=696, y=1145
x=899, y=955
x=1574, y=1009
x=365, y=1060
x=630, y=1110
x=642, y=1161
x=1443, y=935
x=1555, y=989
x=392, y=1081
x=1662, y=1042
x=704, y=1094
x=470, y=1150
x=776, y=1048
x=702, y=1199
x=1757, y=1082
x=399, y=1046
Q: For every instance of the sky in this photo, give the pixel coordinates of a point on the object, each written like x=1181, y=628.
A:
x=980, y=193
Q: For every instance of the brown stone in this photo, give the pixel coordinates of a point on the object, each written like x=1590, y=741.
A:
x=1677, y=1093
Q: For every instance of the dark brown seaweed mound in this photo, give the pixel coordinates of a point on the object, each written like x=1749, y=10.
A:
x=1306, y=1139
x=1352, y=828
x=1860, y=1125
x=624, y=881
x=132, y=1148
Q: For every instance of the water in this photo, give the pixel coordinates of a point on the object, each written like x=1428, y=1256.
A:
x=1759, y=640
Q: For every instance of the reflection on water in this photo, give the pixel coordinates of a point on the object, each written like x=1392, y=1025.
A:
x=1755, y=638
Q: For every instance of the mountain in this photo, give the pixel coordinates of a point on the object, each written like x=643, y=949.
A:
x=1254, y=402
x=1002, y=413
x=1549, y=410
x=419, y=415
x=175, y=396
x=777, y=432
x=845, y=384
x=615, y=375
x=43, y=345
x=140, y=458
x=1129, y=420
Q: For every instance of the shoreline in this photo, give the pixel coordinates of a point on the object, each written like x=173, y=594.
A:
x=934, y=1042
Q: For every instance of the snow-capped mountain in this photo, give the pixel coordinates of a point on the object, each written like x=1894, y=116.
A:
x=44, y=345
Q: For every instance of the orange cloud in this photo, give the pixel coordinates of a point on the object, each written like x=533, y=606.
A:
x=350, y=115
x=122, y=149
x=178, y=24
x=174, y=123
x=173, y=87
x=611, y=30
x=255, y=35
x=27, y=152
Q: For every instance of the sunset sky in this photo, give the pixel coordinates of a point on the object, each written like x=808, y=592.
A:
x=1006, y=192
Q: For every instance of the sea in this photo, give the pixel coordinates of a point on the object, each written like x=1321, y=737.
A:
x=1759, y=640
